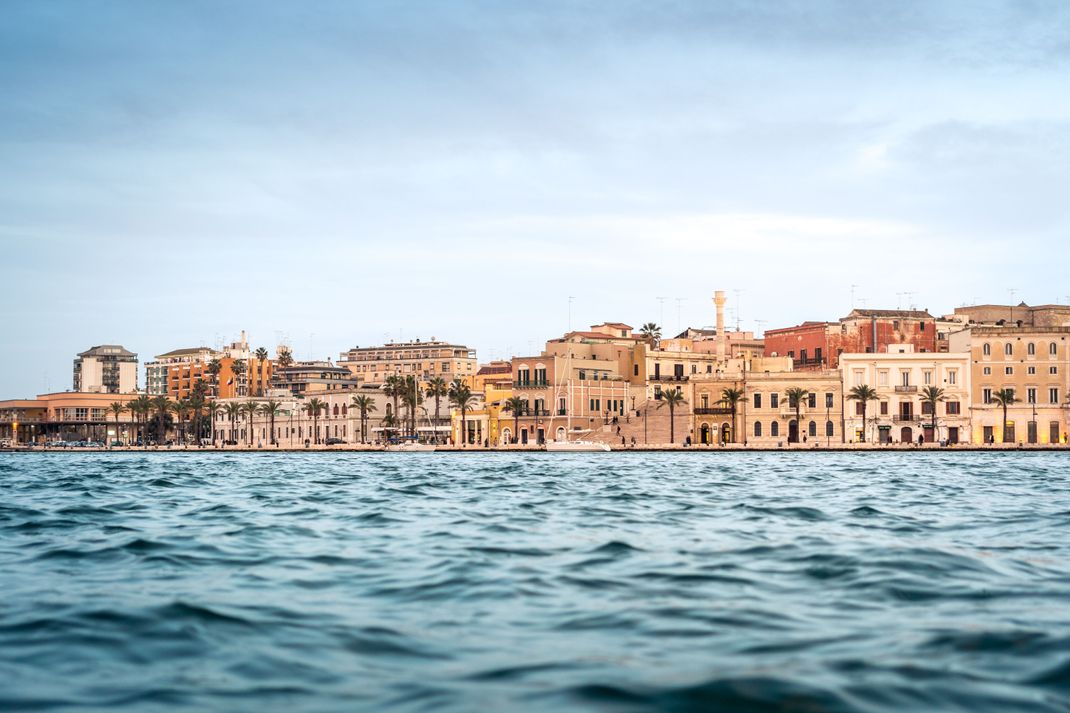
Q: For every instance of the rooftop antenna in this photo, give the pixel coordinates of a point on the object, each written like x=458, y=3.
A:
x=661, y=312
x=570, y=298
x=736, y=306
x=863, y=301
x=910, y=296
x=853, y=288
x=760, y=322
x=679, y=301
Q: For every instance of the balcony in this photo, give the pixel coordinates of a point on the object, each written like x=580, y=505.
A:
x=906, y=389
x=667, y=377
x=530, y=384
x=713, y=411
x=905, y=418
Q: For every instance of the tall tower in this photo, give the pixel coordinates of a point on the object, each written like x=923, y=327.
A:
x=718, y=300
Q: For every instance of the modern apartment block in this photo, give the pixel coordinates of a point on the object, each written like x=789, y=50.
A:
x=174, y=373
x=425, y=360
x=106, y=369
x=1034, y=363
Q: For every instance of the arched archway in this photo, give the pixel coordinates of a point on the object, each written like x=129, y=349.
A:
x=704, y=434
x=793, y=431
x=560, y=436
x=906, y=435
x=507, y=436
x=726, y=433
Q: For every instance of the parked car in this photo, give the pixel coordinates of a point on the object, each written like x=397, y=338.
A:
x=334, y=441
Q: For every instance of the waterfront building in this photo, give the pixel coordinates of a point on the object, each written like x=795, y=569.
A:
x=106, y=369
x=901, y=414
x=768, y=417
x=174, y=373
x=425, y=360
x=818, y=345
x=1033, y=362
x=66, y=416
x=313, y=378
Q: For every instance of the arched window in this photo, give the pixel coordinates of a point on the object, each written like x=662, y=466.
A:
x=1031, y=349
x=757, y=428
x=986, y=349
x=345, y=409
x=812, y=428
x=1052, y=349
x=336, y=409
x=829, y=429
x=774, y=428
x=1008, y=349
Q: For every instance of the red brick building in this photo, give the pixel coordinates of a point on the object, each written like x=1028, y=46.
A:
x=818, y=345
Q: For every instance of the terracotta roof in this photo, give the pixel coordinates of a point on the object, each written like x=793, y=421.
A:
x=618, y=325
x=504, y=369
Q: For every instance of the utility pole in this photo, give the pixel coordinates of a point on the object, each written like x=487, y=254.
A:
x=737, y=293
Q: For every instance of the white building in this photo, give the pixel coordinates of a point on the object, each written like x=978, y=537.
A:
x=900, y=378
x=106, y=369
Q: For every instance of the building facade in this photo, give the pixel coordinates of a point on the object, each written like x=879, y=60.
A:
x=1032, y=362
x=106, y=369
x=901, y=414
x=66, y=416
x=425, y=360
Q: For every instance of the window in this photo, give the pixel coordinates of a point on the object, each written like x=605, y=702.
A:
x=583, y=375
x=882, y=378
x=774, y=401
x=1008, y=370
x=774, y=428
x=884, y=408
x=1053, y=370
x=927, y=376
x=1053, y=395
x=812, y=428
x=1030, y=396
x=791, y=354
x=817, y=354
x=986, y=349
x=859, y=377
x=895, y=324
x=951, y=408
x=828, y=400
x=635, y=370
x=757, y=428
x=830, y=430
x=757, y=400
x=1008, y=349
x=986, y=396
x=1031, y=349
x=926, y=408
x=904, y=377
x=802, y=355
x=987, y=371
x=812, y=402
x=952, y=376
x=1052, y=349
x=1030, y=370
x=859, y=408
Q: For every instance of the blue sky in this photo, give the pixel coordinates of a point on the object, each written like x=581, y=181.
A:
x=335, y=174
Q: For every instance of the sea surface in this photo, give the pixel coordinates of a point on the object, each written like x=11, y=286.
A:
x=535, y=582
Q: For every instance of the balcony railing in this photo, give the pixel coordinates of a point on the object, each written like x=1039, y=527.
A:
x=906, y=389
x=667, y=377
x=713, y=411
x=905, y=418
x=531, y=384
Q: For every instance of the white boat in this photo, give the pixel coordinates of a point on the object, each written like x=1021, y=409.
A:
x=410, y=447
x=574, y=446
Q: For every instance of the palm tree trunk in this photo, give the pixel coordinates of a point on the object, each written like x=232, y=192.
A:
x=436, y=414
x=672, y=424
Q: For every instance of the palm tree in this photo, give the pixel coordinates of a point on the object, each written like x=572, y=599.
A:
x=390, y=421
x=394, y=387
x=161, y=404
x=238, y=368
x=181, y=409
x=672, y=399
x=261, y=357
x=284, y=356
x=197, y=403
x=732, y=397
x=366, y=404
x=796, y=395
x=271, y=409
x=517, y=406
x=411, y=398
x=461, y=396
x=116, y=407
x=250, y=409
x=214, y=367
x=652, y=333
x=437, y=389
x=863, y=394
x=932, y=395
x=142, y=407
x=1005, y=397
x=233, y=409
x=314, y=407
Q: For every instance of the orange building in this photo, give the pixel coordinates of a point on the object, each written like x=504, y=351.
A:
x=64, y=416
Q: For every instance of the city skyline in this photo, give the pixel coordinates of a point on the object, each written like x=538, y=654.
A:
x=173, y=175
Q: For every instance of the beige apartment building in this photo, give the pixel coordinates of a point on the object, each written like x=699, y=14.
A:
x=1032, y=361
x=767, y=417
x=106, y=369
x=900, y=377
x=425, y=360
